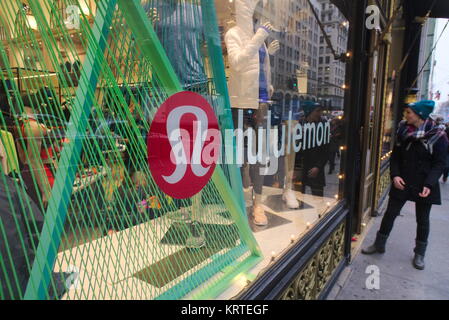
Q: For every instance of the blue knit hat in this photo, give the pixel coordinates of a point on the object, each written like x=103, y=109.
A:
x=422, y=108
x=308, y=107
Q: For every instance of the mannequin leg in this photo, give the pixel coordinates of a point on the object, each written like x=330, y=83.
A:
x=261, y=121
x=289, y=195
x=258, y=212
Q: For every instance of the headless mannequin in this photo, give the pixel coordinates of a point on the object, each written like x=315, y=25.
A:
x=33, y=134
x=249, y=82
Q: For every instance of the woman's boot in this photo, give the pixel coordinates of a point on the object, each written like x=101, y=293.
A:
x=378, y=245
x=420, y=251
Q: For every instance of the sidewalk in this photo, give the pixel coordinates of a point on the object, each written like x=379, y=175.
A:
x=398, y=278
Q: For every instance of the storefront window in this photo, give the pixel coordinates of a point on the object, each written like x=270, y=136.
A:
x=174, y=154
x=300, y=183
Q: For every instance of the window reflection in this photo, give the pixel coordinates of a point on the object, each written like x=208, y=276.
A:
x=296, y=93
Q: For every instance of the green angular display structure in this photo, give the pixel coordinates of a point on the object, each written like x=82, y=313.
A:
x=81, y=82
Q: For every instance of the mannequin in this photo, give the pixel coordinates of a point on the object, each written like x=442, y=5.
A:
x=243, y=45
x=40, y=160
x=250, y=80
x=288, y=194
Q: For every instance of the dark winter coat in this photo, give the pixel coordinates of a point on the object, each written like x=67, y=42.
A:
x=315, y=157
x=418, y=168
x=21, y=220
x=447, y=160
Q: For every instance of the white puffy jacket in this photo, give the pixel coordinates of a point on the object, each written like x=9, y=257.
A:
x=243, y=54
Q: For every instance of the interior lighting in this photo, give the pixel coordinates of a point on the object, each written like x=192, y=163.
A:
x=84, y=7
x=31, y=22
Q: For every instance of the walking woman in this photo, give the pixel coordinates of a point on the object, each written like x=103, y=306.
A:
x=417, y=163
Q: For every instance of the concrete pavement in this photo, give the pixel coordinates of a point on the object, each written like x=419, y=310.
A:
x=398, y=279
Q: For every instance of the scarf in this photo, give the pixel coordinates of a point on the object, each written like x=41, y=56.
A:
x=428, y=134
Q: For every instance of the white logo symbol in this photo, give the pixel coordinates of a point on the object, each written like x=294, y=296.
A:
x=73, y=17
x=179, y=139
x=373, y=280
x=373, y=21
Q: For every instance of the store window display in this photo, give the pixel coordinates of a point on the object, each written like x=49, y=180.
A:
x=35, y=156
x=179, y=27
x=250, y=81
x=285, y=115
x=114, y=196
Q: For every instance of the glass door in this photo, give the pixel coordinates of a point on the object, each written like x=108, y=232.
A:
x=370, y=136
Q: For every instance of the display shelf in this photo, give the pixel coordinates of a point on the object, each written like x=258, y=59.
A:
x=124, y=265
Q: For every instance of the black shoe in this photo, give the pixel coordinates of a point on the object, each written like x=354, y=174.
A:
x=420, y=251
x=420, y=247
x=378, y=246
x=371, y=249
x=418, y=261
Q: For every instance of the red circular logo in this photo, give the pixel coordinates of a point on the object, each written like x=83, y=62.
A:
x=184, y=144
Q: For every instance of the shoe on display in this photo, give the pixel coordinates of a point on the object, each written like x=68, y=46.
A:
x=289, y=197
x=196, y=238
x=259, y=216
x=182, y=215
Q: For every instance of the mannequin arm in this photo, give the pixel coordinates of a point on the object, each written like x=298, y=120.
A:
x=240, y=53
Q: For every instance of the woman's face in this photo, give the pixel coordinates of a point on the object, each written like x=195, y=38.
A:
x=315, y=115
x=412, y=118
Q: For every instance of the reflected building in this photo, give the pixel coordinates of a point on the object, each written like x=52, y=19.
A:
x=331, y=73
x=295, y=66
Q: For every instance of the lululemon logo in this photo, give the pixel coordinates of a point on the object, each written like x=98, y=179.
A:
x=184, y=144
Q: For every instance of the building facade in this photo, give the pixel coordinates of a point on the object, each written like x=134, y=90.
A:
x=331, y=72
x=112, y=188
x=427, y=60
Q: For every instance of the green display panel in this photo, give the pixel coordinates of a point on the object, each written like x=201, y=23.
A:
x=81, y=216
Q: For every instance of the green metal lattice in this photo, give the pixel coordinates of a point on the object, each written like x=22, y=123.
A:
x=101, y=183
